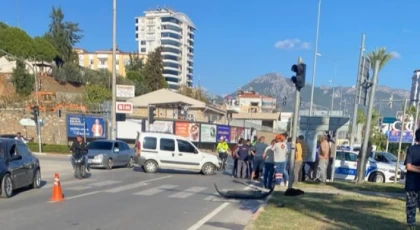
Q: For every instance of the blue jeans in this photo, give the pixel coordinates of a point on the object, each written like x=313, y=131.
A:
x=268, y=175
x=280, y=167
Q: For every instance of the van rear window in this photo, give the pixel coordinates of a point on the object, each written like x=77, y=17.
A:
x=149, y=143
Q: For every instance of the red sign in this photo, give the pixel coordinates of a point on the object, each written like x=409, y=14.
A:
x=124, y=107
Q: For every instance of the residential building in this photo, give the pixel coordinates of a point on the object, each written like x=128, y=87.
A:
x=171, y=105
x=174, y=32
x=415, y=87
x=102, y=59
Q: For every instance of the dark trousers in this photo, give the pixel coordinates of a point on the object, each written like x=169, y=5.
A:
x=268, y=175
x=412, y=202
x=235, y=167
x=250, y=167
x=241, y=170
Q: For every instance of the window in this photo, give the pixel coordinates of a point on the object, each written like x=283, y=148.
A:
x=143, y=50
x=143, y=42
x=137, y=28
x=185, y=147
x=150, y=143
x=339, y=156
x=123, y=146
x=100, y=145
x=137, y=20
x=12, y=150
x=103, y=62
x=91, y=62
x=167, y=144
x=350, y=157
x=126, y=62
x=117, y=62
x=23, y=150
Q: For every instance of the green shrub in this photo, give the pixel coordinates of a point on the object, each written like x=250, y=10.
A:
x=47, y=148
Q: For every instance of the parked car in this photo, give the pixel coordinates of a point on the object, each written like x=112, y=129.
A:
x=168, y=151
x=110, y=153
x=18, y=167
x=346, y=167
x=388, y=158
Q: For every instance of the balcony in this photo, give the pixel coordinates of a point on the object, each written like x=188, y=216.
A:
x=172, y=56
x=171, y=68
x=171, y=77
x=170, y=21
x=171, y=50
x=170, y=61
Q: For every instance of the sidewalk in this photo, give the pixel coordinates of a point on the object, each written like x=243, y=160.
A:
x=52, y=154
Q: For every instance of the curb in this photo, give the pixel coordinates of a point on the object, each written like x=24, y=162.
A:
x=257, y=213
x=52, y=154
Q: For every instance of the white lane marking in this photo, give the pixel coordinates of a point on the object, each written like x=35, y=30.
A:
x=154, y=191
x=211, y=197
x=98, y=184
x=212, y=214
x=135, y=185
x=50, y=185
x=77, y=196
x=188, y=192
x=208, y=217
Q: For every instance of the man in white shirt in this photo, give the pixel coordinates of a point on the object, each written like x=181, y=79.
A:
x=19, y=137
x=281, y=150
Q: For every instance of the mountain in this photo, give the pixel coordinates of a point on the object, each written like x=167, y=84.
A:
x=275, y=85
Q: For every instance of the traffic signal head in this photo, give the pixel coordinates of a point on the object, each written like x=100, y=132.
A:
x=35, y=113
x=152, y=114
x=300, y=73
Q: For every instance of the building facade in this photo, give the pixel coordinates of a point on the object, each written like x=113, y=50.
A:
x=415, y=87
x=174, y=32
x=251, y=102
x=102, y=59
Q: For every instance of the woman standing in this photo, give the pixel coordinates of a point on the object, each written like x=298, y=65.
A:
x=269, y=165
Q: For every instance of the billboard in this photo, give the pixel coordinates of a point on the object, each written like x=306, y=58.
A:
x=236, y=133
x=208, y=133
x=125, y=91
x=223, y=131
x=191, y=131
x=128, y=129
x=393, y=130
x=394, y=136
x=161, y=126
x=93, y=127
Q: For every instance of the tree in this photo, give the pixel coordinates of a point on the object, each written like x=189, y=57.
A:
x=96, y=94
x=44, y=50
x=16, y=42
x=381, y=55
x=153, y=71
x=22, y=80
x=196, y=93
x=135, y=64
x=3, y=25
x=63, y=35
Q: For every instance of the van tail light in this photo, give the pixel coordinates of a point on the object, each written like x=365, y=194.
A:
x=138, y=148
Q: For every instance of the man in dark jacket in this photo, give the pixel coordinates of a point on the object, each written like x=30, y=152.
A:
x=79, y=147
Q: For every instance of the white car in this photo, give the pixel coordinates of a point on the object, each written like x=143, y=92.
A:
x=346, y=167
x=168, y=151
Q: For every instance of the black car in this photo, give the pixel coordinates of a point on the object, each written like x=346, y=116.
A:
x=18, y=167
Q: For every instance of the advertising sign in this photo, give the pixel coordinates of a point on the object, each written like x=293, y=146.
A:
x=126, y=91
x=247, y=133
x=191, y=131
x=124, y=107
x=128, y=129
x=161, y=126
x=236, y=133
x=94, y=126
x=223, y=131
x=208, y=133
x=393, y=130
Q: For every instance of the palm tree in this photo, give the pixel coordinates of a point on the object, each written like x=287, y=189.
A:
x=381, y=55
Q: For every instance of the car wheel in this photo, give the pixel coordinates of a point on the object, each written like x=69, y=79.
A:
x=37, y=179
x=110, y=164
x=6, y=186
x=378, y=177
x=208, y=169
x=130, y=163
x=150, y=166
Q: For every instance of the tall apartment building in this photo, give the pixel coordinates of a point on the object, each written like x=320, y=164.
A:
x=415, y=87
x=174, y=32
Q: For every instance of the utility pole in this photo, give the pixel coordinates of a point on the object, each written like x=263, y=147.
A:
x=114, y=69
x=416, y=100
x=333, y=89
x=357, y=94
x=361, y=173
x=400, y=142
x=299, y=80
x=315, y=58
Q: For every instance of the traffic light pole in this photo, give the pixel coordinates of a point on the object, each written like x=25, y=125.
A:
x=361, y=173
x=294, y=133
x=114, y=73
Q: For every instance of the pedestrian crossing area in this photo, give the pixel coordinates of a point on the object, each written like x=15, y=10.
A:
x=139, y=189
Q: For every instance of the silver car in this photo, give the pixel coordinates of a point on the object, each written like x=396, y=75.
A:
x=109, y=154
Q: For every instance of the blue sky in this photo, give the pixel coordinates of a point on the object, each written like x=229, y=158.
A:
x=236, y=40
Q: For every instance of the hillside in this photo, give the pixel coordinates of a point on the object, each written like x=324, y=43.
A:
x=274, y=84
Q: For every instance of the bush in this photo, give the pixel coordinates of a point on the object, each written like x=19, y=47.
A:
x=46, y=148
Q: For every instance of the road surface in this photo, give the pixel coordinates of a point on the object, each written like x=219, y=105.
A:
x=126, y=198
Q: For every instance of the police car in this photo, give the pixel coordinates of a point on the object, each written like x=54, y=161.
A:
x=346, y=167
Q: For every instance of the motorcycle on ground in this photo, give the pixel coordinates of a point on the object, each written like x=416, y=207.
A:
x=79, y=162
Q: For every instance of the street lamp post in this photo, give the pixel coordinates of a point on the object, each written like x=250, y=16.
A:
x=315, y=57
x=114, y=74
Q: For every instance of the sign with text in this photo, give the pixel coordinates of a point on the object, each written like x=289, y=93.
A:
x=124, y=107
x=126, y=91
x=223, y=131
x=236, y=133
x=93, y=127
x=191, y=131
x=208, y=133
x=160, y=127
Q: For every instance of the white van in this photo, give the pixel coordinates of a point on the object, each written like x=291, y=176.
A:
x=168, y=151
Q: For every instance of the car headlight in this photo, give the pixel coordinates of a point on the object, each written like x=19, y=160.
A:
x=391, y=170
x=100, y=156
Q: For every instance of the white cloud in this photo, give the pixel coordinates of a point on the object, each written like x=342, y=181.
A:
x=396, y=55
x=291, y=43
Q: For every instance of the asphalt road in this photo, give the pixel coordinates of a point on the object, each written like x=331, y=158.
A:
x=127, y=198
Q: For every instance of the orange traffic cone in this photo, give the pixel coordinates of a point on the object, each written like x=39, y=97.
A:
x=57, y=194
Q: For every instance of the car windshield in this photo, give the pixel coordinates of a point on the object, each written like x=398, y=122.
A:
x=100, y=145
x=390, y=157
